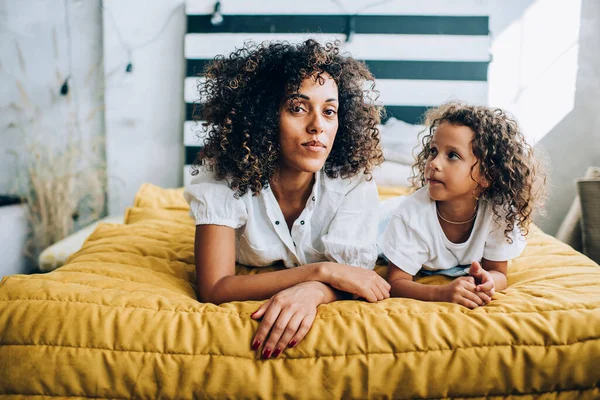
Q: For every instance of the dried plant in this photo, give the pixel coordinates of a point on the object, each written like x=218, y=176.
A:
x=61, y=178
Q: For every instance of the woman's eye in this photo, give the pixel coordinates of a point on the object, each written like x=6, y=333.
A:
x=296, y=108
x=330, y=113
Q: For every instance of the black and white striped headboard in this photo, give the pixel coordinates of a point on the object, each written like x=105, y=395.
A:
x=422, y=52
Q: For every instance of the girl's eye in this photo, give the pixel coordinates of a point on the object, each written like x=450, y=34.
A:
x=432, y=152
x=453, y=156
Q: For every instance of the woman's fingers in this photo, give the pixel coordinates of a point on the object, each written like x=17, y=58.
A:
x=369, y=295
x=303, y=329
x=261, y=310
x=290, y=331
x=375, y=289
x=278, y=328
x=270, y=317
x=262, y=331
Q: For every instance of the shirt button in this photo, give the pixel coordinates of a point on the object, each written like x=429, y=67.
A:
x=296, y=265
x=302, y=222
x=276, y=222
x=313, y=198
x=294, y=244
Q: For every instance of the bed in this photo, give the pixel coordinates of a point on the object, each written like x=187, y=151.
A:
x=121, y=320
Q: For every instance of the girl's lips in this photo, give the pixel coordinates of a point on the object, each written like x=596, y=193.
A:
x=433, y=182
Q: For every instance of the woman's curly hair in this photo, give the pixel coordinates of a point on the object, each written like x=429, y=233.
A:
x=241, y=98
x=516, y=179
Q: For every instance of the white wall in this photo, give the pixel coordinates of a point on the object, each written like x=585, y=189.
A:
x=144, y=108
x=545, y=71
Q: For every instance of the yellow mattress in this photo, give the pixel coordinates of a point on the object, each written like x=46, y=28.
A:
x=121, y=320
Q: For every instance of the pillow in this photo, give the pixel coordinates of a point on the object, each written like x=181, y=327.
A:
x=391, y=173
x=400, y=140
x=152, y=196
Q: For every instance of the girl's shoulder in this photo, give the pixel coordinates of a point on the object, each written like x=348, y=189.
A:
x=414, y=207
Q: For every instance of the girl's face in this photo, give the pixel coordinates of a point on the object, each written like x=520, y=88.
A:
x=308, y=125
x=452, y=170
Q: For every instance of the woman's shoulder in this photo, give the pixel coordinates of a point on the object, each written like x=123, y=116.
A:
x=205, y=184
x=205, y=176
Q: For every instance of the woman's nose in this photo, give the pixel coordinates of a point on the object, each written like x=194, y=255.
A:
x=315, y=126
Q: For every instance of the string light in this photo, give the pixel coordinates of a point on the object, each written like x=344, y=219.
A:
x=130, y=49
x=351, y=28
x=216, y=18
x=351, y=25
x=64, y=89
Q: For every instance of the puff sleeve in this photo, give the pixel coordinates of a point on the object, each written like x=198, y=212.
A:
x=213, y=203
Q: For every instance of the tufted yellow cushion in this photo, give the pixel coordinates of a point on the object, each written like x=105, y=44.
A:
x=121, y=320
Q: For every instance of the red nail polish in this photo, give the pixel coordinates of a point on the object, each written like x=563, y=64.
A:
x=256, y=344
x=276, y=352
x=292, y=343
x=267, y=353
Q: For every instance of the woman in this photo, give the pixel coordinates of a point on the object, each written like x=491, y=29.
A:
x=285, y=176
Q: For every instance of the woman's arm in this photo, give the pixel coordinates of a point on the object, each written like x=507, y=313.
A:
x=217, y=282
x=294, y=294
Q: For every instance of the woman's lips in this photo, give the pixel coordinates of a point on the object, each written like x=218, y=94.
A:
x=314, y=145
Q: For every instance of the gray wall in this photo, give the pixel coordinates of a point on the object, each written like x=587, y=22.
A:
x=144, y=108
x=37, y=53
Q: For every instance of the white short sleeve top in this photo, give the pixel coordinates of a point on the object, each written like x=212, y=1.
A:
x=414, y=239
x=338, y=223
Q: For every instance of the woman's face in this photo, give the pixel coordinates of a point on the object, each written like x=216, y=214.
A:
x=308, y=124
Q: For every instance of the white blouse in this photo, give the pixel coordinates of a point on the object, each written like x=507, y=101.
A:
x=338, y=223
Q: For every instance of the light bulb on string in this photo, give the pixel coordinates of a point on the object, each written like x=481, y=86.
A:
x=216, y=18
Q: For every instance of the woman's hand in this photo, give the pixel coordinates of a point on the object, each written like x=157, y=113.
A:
x=287, y=317
x=360, y=282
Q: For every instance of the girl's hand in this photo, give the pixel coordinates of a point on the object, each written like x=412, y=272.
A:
x=483, y=279
x=360, y=282
x=462, y=291
x=287, y=318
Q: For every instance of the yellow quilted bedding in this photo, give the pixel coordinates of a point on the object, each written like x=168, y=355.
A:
x=121, y=320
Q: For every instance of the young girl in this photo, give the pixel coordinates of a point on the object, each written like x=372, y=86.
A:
x=478, y=183
x=284, y=177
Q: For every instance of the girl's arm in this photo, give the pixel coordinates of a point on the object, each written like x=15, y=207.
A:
x=461, y=290
x=217, y=282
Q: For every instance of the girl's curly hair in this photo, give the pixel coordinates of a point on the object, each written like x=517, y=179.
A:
x=516, y=179
x=241, y=97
